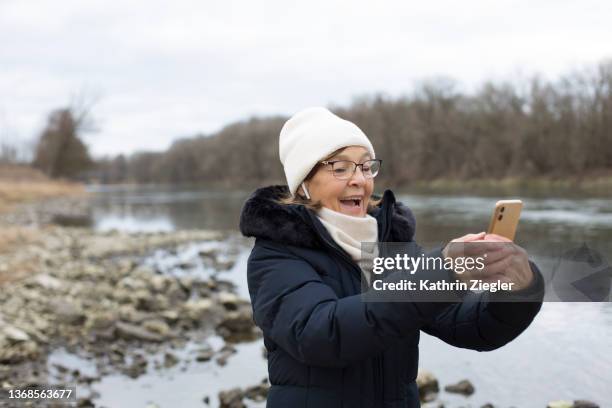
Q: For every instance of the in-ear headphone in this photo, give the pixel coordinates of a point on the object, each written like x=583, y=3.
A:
x=305, y=191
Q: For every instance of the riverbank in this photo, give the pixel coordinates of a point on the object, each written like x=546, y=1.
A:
x=598, y=185
x=90, y=293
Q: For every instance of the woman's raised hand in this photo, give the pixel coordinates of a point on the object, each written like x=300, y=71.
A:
x=503, y=260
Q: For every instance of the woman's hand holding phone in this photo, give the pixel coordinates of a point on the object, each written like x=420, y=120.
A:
x=504, y=261
x=510, y=263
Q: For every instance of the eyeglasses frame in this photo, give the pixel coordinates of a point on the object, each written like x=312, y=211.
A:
x=326, y=162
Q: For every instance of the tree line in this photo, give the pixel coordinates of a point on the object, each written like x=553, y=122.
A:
x=525, y=129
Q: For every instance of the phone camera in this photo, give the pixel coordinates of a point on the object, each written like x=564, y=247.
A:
x=502, y=209
x=500, y=217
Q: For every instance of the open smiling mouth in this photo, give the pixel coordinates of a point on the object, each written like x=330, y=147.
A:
x=351, y=204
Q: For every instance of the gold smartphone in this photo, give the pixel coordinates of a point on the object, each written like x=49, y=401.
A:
x=505, y=218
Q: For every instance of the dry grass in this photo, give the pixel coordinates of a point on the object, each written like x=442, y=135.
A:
x=16, y=192
x=20, y=172
x=20, y=184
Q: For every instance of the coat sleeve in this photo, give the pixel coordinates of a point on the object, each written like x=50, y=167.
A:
x=484, y=321
x=302, y=315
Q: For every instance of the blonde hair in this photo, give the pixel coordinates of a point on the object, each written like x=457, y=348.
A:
x=288, y=199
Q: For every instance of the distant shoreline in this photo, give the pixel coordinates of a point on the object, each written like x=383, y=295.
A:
x=596, y=186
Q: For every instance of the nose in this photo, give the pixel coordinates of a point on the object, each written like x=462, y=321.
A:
x=357, y=179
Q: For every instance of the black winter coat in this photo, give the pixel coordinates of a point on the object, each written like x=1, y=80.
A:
x=329, y=349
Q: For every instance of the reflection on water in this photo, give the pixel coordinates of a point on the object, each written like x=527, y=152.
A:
x=163, y=208
x=565, y=353
x=133, y=223
x=188, y=383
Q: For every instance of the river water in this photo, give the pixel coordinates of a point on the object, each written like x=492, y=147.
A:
x=565, y=354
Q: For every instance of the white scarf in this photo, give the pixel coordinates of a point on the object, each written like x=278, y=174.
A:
x=349, y=232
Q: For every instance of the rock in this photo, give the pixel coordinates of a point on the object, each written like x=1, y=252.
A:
x=208, y=253
x=186, y=283
x=464, y=387
x=157, y=326
x=223, y=265
x=560, y=404
x=488, y=405
x=201, y=310
x=238, y=325
x=229, y=300
x=137, y=368
x=72, y=220
x=258, y=392
x=48, y=282
x=433, y=404
x=86, y=379
x=231, y=399
x=14, y=334
x=427, y=384
x=206, y=400
x=170, y=360
x=102, y=324
x=22, y=351
x=159, y=283
x=85, y=403
x=129, y=314
x=171, y=316
x=66, y=312
x=205, y=353
x=150, y=303
x=131, y=283
x=225, y=353
x=584, y=404
x=132, y=332
x=429, y=397
x=186, y=265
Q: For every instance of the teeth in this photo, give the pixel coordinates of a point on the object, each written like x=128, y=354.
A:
x=352, y=201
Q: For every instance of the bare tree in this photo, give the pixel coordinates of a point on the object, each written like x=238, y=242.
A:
x=60, y=151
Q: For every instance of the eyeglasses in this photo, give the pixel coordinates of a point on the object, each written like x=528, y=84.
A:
x=344, y=169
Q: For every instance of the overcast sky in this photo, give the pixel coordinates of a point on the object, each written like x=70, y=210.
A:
x=167, y=69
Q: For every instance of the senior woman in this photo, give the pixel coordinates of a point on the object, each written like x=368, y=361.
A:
x=327, y=347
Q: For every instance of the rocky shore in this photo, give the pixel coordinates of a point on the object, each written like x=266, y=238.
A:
x=93, y=295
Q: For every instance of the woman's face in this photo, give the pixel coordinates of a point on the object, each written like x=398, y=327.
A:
x=351, y=196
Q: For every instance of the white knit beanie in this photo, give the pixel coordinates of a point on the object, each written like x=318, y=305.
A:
x=309, y=136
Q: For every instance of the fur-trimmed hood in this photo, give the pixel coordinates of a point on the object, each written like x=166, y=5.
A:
x=264, y=217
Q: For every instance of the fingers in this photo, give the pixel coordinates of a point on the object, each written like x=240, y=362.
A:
x=496, y=238
x=474, y=237
x=500, y=266
x=470, y=237
x=457, y=248
x=501, y=253
x=475, y=248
